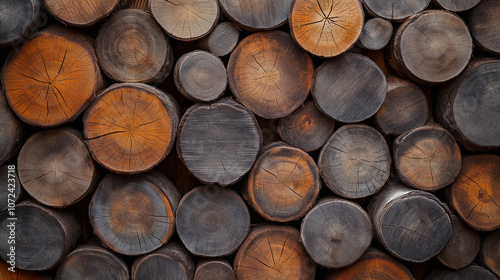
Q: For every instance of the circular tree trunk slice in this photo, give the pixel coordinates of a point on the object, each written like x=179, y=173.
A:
x=326, y=28
x=484, y=25
x=431, y=47
x=336, y=232
x=216, y=269
x=256, y=15
x=19, y=274
x=462, y=247
x=185, y=20
x=490, y=251
x=470, y=108
x=138, y=4
x=356, y=93
x=270, y=74
x=55, y=167
x=222, y=40
x=11, y=129
x=52, y=78
x=131, y=47
x=92, y=262
x=283, y=184
x=456, y=5
x=475, y=195
x=376, y=34
x=405, y=107
x=395, y=10
x=200, y=76
x=427, y=158
x=19, y=20
x=412, y=224
x=471, y=272
x=307, y=128
x=374, y=264
x=134, y=215
x=355, y=162
x=10, y=191
x=81, y=13
x=130, y=128
x=212, y=221
x=171, y=262
x=219, y=142
x=273, y=252
x=43, y=235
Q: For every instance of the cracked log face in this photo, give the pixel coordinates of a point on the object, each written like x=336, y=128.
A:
x=395, y=10
x=475, y=194
x=131, y=127
x=484, y=25
x=131, y=47
x=273, y=252
x=185, y=20
x=270, y=74
x=326, y=28
x=81, y=13
x=52, y=78
x=56, y=168
x=427, y=158
x=355, y=162
x=283, y=184
x=134, y=215
x=255, y=15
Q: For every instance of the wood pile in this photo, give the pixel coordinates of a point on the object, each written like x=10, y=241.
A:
x=250, y=139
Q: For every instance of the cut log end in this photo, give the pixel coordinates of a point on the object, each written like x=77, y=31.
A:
x=20, y=19
x=222, y=40
x=376, y=34
x=490, y=251
x=10, y=187
x=395, y=10
x=81, y=13
x=456, y=5
x=11, y=129
x=19, y=274
x=216, y=269
x=483, y=24
x=255, y=15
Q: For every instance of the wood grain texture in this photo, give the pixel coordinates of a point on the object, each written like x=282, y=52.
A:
x=138, y=4
x=11, y=129
x=52, y=78
x=200, y=76
x=475, y=195
x=9, y=192
x=212, y=221
x=91, y=261
x=81, y=13
x=469, y=106
x=185, y=20
x=395, y=10
x=170, y=262
x=376, y=34
x=456, y=5
x=336, y=232
x=471, y=272
x=214, y=269
x=431, y=47
x=356, y=91
x=131, y=127
x=490, y=251
x=256, y=15
x=412, y=224
x=134, y=214
x=355, y=162
x=19, y=20
x=283, y=184
x=326, y=28
x=404, y=108
x=219, y=142
x=427, y=158
x=131, y=47
x=222, y=40
x=270, y=74
x=307, y=128
x=483, y=21
x=43, y=235
x=20, y=274
x=273, y=252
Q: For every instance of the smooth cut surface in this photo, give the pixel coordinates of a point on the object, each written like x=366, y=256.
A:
x=81, y=13
x=257, y=14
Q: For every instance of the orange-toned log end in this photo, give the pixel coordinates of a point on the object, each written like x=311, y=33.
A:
x=56, y=168
x=185, y=20
x=475, y=194
x=270, y=74
x=491, y=251
x=326, y=28
x=273, y=252
x=214, y=269
x=81, y=13
x=52, y=78
x=283, y=184
x=130, y=127
x=19, y=274
x=427, y=157
x=374, y=264
x=134, y=215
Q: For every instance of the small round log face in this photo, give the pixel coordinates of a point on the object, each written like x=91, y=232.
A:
x=19, y=15
x=376, y=34
x=395, y=10
x=336, y=232
x=457, y=5
x=283, y=184
x=81, y=13
x=52, y=78
x=214, y=270
x=355, y=162
x=11, y=130
x=273, y=252
x=222, y=40
x=270, y=74
x=483, y=23
x=212, y=221
x=326, y=28
x=257, y=14
x=130, y=128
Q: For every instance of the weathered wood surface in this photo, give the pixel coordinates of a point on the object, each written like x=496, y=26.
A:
x=81, y=13
x=456, y=5
x=376, y=34
x=256, y=14
x=483, y=21
x=222, y=40
x=490, y=251
x=20, y=19
x=11, y=190
x=395, y=10
x=11, y=129
x=20, y=274
x=471, y=272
